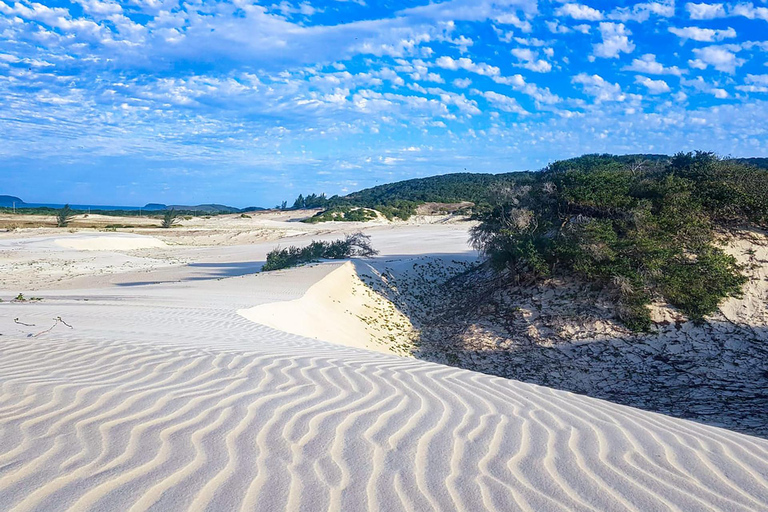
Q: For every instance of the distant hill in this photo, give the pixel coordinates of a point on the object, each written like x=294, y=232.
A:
x=757, y=162
x=447, y=188
x=205, y=208
x=8, y=201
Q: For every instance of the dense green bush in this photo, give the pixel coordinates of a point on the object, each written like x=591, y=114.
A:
x=642, y=229
x=355, y=245
x=342, y=214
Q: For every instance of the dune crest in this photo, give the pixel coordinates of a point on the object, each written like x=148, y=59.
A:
x=340, y=308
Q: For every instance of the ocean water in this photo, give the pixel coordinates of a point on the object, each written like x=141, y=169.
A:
x=87, y=207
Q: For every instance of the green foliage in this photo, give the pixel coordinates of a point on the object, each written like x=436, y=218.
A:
x=342, y=214
x=64, y=216
x=448, y=188
x=642, y=228
x=170, y=217
x=355, y=245
x=313, y=201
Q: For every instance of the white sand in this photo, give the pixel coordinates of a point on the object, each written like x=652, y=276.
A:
x=109, y=243
x=162, y=397
x=340, y=308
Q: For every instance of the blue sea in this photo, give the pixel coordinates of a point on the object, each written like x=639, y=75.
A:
x=88, y=207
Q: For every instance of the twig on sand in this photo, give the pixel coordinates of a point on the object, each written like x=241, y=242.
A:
x=16, y=321
x=56, y=321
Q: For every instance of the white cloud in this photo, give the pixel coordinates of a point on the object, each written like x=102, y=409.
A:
x=539, y=94
x=653, y=86
x=462, y=83
x=505, y=103
x=757, y=79
x=641, y=12
x=467, y=65
x=599, y=88
x=514, y=20
x=705, y=11
x=711, y=11
x=749, y=11
x=555, y=27
x=615, y=41
x=647, y=64
x=529, y=60
x=703, y=34
x=721, y=58
x=702, y=85
x=579, y=12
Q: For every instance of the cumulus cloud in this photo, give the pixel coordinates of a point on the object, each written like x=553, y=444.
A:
x=467, y=64
x=703, y=34
x=642, y=12
x=722, y=58
x=701, y=85
x=705, y=11
x=529, y=59
x=505, y=103
x=653, y=86
x=579, y=12
x=648, y=64
x=615, y=41
x=599, y=88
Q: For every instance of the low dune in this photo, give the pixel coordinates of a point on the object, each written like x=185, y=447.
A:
x=340, y=308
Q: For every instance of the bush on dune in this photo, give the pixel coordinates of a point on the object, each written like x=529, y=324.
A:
x=355, y=245
x=644, y=232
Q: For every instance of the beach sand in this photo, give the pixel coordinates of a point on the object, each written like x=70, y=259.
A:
x=146, y=387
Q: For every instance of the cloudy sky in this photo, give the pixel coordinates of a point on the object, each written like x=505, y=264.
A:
x=250, y=103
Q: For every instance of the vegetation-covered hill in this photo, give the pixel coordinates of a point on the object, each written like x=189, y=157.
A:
x=400, y=199
x=9, y=201
x=645, y=229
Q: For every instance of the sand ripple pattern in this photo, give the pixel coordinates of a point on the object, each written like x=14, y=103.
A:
x=95, y=425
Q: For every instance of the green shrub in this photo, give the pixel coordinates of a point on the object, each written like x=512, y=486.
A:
x=641, y=232
x=170, y=217
x=355, y=245
x=342, y=214
x=64, y=216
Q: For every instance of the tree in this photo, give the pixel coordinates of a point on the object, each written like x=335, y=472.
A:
x=64, y=216
x=299, y=203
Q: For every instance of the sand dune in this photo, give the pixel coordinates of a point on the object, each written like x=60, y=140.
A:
x=161, y=397
x=340, y=308
x=121, y=426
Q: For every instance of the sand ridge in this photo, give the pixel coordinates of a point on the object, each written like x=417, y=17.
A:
x=340, y=308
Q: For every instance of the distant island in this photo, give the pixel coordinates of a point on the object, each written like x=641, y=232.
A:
x=7, y=201
x=10, y=201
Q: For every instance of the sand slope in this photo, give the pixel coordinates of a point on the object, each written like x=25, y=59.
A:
x=340, y=308
x=161, y=397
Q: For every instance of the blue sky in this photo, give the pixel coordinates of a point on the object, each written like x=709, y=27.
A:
x=250, y=103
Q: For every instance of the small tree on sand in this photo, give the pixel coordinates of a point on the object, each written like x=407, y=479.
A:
x=169, y=218
x=64, y=216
